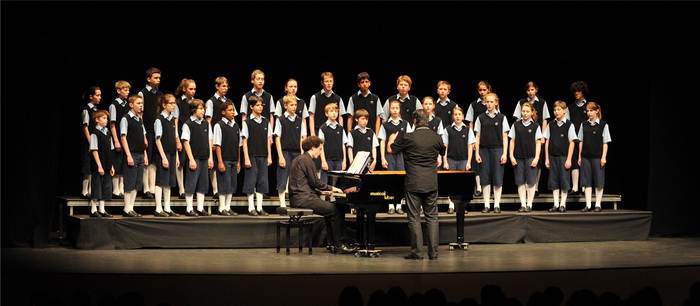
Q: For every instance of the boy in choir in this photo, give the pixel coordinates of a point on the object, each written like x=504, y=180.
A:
x=227, y=143
x=133, y=135
x=150, y=95
x=409, y=103
x=117, y=109
x=257, y=139
x=197, y=139
x=290, y=130
x=101, y=147
x=257, y=77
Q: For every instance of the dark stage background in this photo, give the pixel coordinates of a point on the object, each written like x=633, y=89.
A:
x=639, y=59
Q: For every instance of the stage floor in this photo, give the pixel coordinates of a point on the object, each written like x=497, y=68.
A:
x=260, y=276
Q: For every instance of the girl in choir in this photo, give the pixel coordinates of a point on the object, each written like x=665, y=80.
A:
x=491, y=148
x=594, y=136
x=525, y=136
x=458, y=148
x=166, y=159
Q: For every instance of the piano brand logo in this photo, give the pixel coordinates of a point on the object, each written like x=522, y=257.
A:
x=381, y=194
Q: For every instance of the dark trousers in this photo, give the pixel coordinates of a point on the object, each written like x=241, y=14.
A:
x=414, y=201
x=334, y=215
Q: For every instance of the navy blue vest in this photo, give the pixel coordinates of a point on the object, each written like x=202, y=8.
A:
x=362, y=142
x=332, y=142
x=559, y=138
x=134, y=135
x=458, y=142
x=368, y=103
x=104, y=149
x=150, y=108
x=291, y=133
x=321, y=102
x=491, y=133
x=257, y=137
x=445, y=112
x=525, y=139
x=167, y=140
x=593, y=139
x=229, y=141
x=199, y=139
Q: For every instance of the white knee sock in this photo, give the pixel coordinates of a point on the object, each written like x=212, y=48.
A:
x=598, y=196
x=391, y=206
x=228, y=201
x=251, y=202
x=180, y=176
x=555, y=195
x=159, y=198
x=522, y=194
x=530, y=194
x=564, y=193
x=86, y=184
x=259, y=200
x=222, y=202
x=188, y=200
x=166, y=198
x=283, y=203
x=115, y=185
x=487, y=195
x=497, y=196
x=93, y=205
x=200, y=201
x=478, y=183
x=102, y=206
x=587, y=191
x=212, y=180
x=574, y=180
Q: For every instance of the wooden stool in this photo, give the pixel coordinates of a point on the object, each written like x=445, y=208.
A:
x=295, y=221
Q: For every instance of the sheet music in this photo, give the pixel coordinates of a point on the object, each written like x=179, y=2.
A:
x=359, y=163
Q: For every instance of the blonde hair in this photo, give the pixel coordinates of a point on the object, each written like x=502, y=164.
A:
x=184, y=83
x=495, y=96
x=404, y=78
x=595, y=106
x=560, y=103
x=220, y=80
x=361, y=113
x=446, y=83
x=121, y=84
x=256, y=72
x=532, y=107
x=289, y=98
x=330, y=106
x=327, y=74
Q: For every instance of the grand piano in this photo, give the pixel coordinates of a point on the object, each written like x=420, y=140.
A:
x=379, y=188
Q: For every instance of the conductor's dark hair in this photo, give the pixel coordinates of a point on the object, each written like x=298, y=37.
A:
x=421, y=116
x=311, y=142
x=579, y=86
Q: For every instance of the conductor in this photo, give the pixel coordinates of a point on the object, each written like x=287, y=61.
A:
x=420, y=149
x=305, y=188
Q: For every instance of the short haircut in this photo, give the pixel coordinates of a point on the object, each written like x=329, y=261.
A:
x=428, y=98
x=220, y=80
x=289, y=98
x=253, y=100
x=121, y=84
x=446, y=83
x=325, y=75
x=560, y=103
x=133, y=98
x=151, y=71
x=579, y=86
x=225, y=105
x=196, y=103
x=404, y=78
x=363, y=76
x=99, y=114
x=256, y=72
x=421, y=116
x=483, y=83
x=458, y=109
x=361, y=113
x=331, y=106
x=311, y=142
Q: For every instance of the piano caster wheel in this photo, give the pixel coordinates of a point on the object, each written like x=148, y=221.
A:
x=459, y=246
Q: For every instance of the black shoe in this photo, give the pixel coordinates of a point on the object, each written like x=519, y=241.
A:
x=537, y=193
x=391, y=211
x=231, y=213
x=161, y=214
x=203, y=213
x=585, y=209
x=562, y=208
x=95, y=214
x=413, y=257
x=478, y=193
x=485, y=210
x=450, y=210
x=598, y=209
x=118, y=196
x=432, y=257
x=528, y=209
x=182, y=196
x=85, y=196
x=575, y=193
x=400, y=211
x=497, y=210
x=262, y=213
x=149, y=195
x=192, y=213
x=105, y=215
x=522, y=209
x=553, y=209
x=130, y=214
x=252, y=212
x=172, y=213
x=224, y=213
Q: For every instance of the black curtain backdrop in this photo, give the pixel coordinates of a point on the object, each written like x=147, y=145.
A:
x=638, y=58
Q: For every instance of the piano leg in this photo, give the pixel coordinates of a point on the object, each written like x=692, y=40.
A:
x=360, y=220
x=460, y=244
x=371, y=219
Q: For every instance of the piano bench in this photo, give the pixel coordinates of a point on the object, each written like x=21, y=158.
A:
x=295, y=221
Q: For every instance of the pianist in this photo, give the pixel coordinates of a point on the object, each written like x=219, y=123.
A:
x=419, y=151
x=305, y=188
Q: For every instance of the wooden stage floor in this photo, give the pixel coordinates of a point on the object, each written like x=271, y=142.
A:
x=260, y=276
